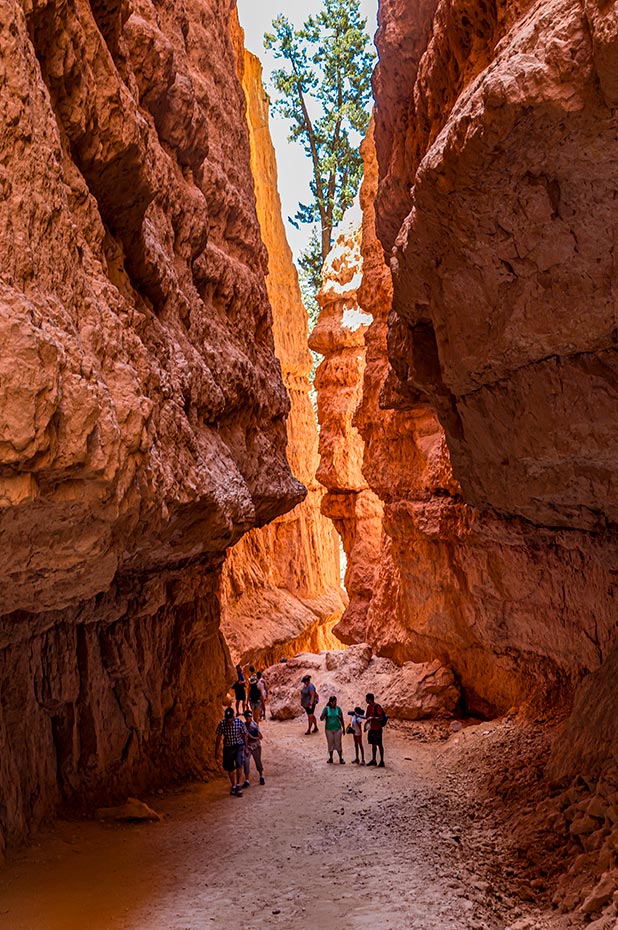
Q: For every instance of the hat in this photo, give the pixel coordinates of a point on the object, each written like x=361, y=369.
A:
x=248, y=713
x=306, y=678
x=229, y=712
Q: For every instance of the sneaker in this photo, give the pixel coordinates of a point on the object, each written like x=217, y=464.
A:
x=238, y=792
x=372, y=762
x=329, y=760
x=307, y=732
x=342, y=762
x=381, y=765
x=354, y=761
x=363, y=762
x=233, y=791
x=246, y=784
x=262, y=782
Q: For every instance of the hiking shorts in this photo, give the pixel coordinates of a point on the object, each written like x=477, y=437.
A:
x=358, y=740
x=374, y=737
x=233, y=757
x=310, y=710
x=333, y=739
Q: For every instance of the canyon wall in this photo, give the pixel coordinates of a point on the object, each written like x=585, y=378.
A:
x=349, y=502
x=496, y=137
x=142, y=410
x=281, y=587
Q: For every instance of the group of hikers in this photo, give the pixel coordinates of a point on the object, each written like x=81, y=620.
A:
x=373, y=721
x=240, y=733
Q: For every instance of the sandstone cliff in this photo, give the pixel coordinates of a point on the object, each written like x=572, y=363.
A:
x=142, y=411
x=281, y=588
x=496, y=140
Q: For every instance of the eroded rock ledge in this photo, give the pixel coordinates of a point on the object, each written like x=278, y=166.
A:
x=142, y=410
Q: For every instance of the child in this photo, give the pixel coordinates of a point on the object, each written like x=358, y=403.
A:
x=357, y=729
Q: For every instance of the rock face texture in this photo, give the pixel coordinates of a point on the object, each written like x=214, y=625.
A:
x=496, y=136
x=142, y=411
x=349, y=502
x=406, y=692
x=281, y=587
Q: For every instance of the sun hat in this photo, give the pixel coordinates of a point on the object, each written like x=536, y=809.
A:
x=306, y=678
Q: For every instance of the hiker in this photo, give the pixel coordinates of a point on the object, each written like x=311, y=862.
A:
x=240, y=693
x=234, y=734
x=356, y=728
x=309, y=698
x=253, y=749
x=375, y=721
x=334, y=728
x=263, y=692
x=255, y=698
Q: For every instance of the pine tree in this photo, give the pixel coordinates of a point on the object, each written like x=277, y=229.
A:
x=324, y=88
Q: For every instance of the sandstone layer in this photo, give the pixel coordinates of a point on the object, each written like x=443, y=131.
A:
x=349, y=502
x=142, y=411
x=496, y=136
x=281, y=587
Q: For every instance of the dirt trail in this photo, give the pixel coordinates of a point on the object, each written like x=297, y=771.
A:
x=319, y=846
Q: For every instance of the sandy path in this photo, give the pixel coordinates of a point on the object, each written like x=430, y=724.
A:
x=319, y=846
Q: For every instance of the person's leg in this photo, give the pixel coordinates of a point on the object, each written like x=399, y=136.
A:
x=362, y=750
x=308, y=730
x=257, y=758
x=330, y=741
x=355, y=738
x=381, y=748
x=338, y=745
x=313, y=722
x=374, y=749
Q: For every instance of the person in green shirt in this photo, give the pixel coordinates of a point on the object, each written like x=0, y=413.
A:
x=334, y=728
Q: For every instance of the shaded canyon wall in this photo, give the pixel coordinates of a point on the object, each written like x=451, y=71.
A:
x=142, y=410
x=281, y=587
x=496, y=135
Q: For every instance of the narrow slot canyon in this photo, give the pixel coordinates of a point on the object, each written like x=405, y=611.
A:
x=442, y=532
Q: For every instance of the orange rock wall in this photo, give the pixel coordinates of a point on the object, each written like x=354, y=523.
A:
x=496, y=137
x=349, y=502
x=142, y=411
x=281, y=588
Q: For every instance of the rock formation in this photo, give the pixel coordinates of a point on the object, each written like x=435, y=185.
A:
x=142, y=411
x=496, y=136
x=339, y=336
x=281, y=590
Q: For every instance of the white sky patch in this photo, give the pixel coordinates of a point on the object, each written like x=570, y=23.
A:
x=354, y=318
x=294, y=167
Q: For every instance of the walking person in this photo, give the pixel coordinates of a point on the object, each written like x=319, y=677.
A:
x=375, y=722
x=253, y=749
x=255, y=698
x=356, y=726
x=263, y=692
x=309, y=698
x=240, y=693
x=334, y=728
x=234, y=734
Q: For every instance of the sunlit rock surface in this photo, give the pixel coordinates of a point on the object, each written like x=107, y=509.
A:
x=142, y=411
x=281, y=588
x=339, y=336
x=497, y=138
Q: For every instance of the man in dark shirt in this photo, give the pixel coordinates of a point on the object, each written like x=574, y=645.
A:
x=375, y=719
x=234, y=734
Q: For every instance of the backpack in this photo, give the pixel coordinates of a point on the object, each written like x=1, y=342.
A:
x=254, y=693
x=383, y=716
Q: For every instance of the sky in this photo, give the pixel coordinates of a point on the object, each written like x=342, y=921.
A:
x=256, y=17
